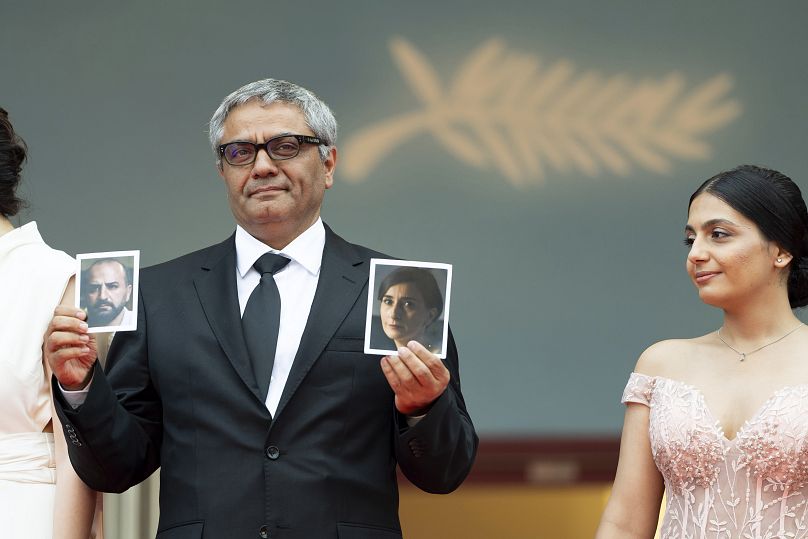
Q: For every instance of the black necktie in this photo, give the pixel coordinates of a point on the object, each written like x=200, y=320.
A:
x=261, y=319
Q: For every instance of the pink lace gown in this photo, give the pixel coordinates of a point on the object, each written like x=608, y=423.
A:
x=754, y=486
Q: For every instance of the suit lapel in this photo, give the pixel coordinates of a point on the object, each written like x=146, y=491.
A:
x=343, y=275
x=216, y=288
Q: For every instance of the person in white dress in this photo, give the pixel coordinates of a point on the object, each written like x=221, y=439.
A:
x=40, y=494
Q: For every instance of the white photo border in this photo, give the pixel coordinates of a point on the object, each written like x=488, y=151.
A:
x=374, y=262
x=135, y=255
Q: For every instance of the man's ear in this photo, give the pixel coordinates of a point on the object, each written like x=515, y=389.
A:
x=330, y=164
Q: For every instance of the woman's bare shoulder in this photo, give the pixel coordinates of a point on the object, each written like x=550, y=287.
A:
x=670, y=357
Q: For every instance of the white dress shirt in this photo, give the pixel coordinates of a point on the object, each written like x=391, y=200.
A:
x=297, y=282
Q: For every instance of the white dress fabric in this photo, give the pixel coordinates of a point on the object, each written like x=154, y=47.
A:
x=754, y=486
x=33, y=278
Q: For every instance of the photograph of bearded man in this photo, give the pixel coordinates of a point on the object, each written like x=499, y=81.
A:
x=106, y=292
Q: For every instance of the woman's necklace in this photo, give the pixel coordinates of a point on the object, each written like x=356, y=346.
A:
x=744, y=354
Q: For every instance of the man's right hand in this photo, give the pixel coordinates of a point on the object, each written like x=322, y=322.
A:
x=69, y=350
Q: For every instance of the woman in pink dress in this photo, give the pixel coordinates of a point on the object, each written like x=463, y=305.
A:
x=40, y=494
x=719, y=423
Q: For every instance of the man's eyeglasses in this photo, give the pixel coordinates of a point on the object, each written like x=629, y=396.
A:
x=278, y=148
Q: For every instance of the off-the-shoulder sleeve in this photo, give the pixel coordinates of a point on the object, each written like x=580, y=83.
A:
x=638, y=389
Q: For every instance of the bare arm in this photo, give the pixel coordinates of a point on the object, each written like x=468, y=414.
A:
x=75, y=502
x=633, y=508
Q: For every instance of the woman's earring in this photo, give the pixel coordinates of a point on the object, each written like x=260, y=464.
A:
x=779, y=260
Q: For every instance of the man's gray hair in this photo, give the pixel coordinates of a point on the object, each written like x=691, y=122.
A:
x=318, y=116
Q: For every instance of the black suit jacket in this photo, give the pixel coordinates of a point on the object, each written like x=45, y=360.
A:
x=179, y=394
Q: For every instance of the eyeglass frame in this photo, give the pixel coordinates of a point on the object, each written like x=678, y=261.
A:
x=301, y=139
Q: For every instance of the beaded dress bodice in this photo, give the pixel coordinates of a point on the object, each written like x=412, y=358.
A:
x=754, y=486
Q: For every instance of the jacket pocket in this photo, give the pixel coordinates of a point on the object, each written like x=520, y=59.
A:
x=346, y=344
x=184, y=530
x=347, y=530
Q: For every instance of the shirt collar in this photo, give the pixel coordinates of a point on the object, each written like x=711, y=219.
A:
x=306, y=249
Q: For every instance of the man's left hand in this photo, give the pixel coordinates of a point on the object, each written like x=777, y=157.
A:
x=417, y=377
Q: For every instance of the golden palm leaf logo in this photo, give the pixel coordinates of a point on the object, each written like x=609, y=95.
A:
x=502, y=112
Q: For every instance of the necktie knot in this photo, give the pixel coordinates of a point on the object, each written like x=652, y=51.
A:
x=270, y=263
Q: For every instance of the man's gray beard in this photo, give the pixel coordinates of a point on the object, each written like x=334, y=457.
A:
x=97, y=318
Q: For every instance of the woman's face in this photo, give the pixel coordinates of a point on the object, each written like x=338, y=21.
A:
x=404, y=314
x=729, y=259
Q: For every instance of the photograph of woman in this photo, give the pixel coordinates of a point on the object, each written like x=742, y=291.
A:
x=409, y=308
x=41, y=495
x=719, y=423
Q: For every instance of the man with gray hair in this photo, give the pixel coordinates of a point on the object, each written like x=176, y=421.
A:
x=246, y=380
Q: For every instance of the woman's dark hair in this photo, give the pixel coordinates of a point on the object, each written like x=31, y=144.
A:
x=774, y=203
x=423, y=280
x=12, y=156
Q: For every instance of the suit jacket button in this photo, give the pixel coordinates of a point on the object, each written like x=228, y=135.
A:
x=263, y=533
x=273, y=452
